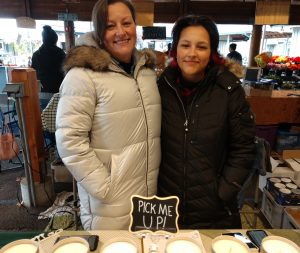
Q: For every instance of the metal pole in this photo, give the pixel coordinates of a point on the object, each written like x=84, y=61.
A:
x=24, y=152
x=26, y=155
x=75, y=202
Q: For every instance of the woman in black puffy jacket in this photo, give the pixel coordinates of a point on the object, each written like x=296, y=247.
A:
x=208, y=128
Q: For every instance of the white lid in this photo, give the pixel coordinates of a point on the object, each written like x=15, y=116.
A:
x=119, y=245
x=291, y=186
x=279, y=185
x=271, y=244
x=228, y=244
x=286, y=180
x=20, y=246
x=182, y=245
x=285, y=191
x=274, y=180
x=71, y=244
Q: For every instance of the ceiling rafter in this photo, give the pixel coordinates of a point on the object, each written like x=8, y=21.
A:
x=165, y=11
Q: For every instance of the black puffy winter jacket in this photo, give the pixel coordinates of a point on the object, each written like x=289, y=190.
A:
x=207, y=147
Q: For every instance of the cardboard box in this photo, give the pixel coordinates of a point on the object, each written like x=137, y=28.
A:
x=285, y=166
x=291, y=167
x=272, y=211
x=291, y=218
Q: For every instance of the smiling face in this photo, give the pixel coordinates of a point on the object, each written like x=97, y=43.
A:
x=120, y=33
x=193, y=52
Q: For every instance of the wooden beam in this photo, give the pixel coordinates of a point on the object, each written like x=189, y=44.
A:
x=28, y=8
x=144, y=12
x=272, y=12
x=229, y=12
x=223, y=12
x=184, y=7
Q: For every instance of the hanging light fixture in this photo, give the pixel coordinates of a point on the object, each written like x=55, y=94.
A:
x=26, y=22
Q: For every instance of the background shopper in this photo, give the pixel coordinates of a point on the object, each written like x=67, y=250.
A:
x=47, y=61
x=233, y=54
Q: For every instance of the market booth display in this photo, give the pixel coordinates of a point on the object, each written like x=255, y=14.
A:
x=274, y=98
x=202, y=241
x=154, y=229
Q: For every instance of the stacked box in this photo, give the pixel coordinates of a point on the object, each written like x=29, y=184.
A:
x=291, y=218
x=272, y=211
x=284, y=191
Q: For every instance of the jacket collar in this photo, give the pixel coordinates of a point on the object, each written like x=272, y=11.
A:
x=88, y=54
x=171, y=73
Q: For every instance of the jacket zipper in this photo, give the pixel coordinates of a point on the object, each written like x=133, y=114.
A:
x=121, y=71
x=147, y=141
x=186, y=129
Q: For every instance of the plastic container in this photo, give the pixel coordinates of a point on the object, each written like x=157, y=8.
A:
x=272, y=211
x=287, y=140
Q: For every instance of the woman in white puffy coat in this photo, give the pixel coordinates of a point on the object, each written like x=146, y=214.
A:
x=109, y=117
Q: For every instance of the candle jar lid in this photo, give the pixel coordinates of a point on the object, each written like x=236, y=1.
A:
x=119, y=245
x=20, y=246
x=183, y=245
x=291, y=186
x=228, y=244
x=285, y=191
x=279, y=185
x=271, y=244
x=72, y=244
x=286, y=180
x=274, y=180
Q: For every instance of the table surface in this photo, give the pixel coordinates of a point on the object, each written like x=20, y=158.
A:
x=206, y=236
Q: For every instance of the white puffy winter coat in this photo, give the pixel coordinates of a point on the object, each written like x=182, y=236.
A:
x=108, y=132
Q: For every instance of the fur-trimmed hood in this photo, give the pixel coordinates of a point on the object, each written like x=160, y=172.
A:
x=234, y=67
x=88, y=54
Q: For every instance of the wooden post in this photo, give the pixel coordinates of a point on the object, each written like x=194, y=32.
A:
x=144, y=12
x=255, y=44
x=69, y=35
x=32, y=119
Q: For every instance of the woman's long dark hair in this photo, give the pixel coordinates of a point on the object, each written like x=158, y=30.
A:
x=209, y=26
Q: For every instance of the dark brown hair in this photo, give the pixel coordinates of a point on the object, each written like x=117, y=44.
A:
x=100, y=16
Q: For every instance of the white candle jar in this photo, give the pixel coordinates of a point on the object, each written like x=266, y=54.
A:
x=20, y=246
x=278, y=244
x=119, y=245
x=71, y=244
x=183, y=245
x=228, y=244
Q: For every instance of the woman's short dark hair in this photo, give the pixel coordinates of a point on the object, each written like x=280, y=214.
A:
x=194, y=20
x=100, y=16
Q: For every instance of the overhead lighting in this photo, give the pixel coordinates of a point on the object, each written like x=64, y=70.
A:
x=25, y=22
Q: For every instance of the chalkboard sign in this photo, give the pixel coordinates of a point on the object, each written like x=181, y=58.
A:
x=154, y=32
x=154, y=214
